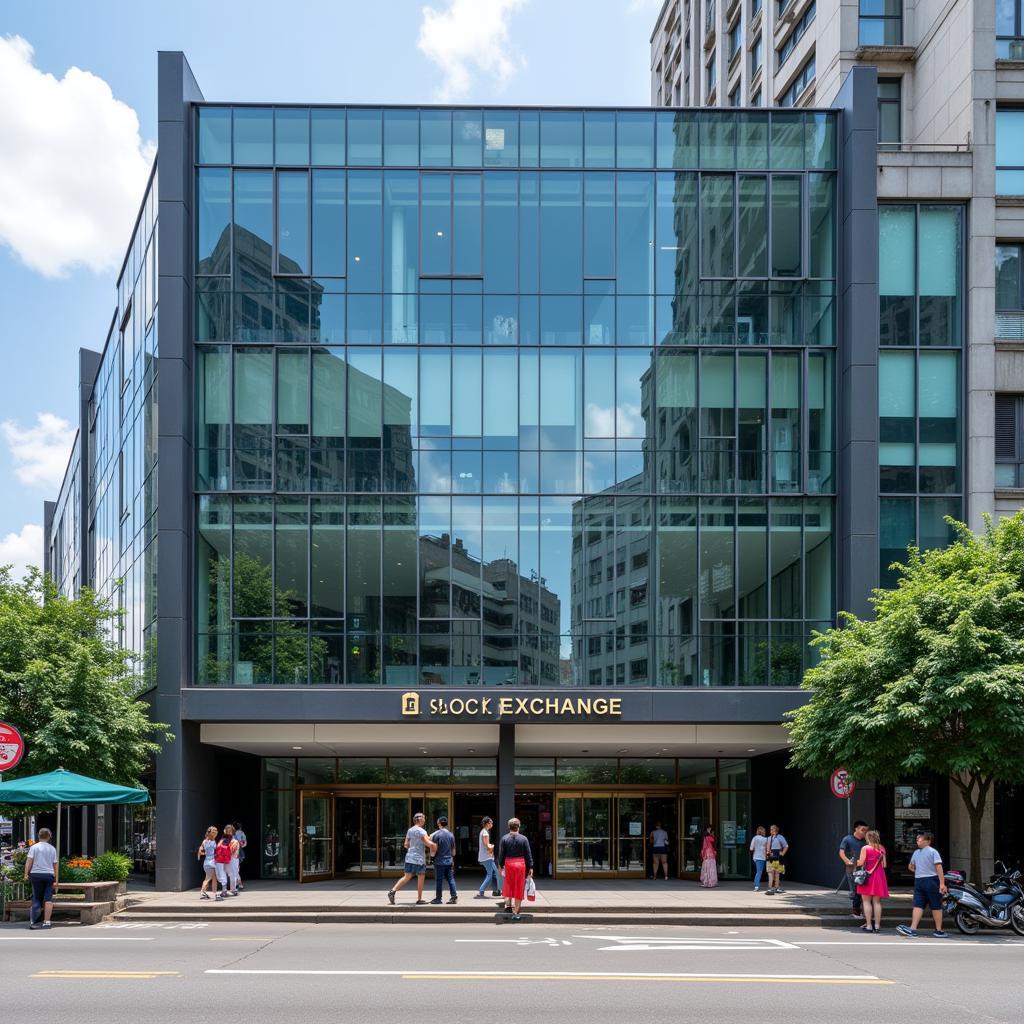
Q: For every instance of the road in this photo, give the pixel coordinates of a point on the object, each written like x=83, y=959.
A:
x=381, y=974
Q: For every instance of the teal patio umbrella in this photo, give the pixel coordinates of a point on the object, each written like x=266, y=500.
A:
x=63, y=787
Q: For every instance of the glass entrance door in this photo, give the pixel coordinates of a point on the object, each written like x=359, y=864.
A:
x=600, y=835
x=356, y=841
x=695, y=815
x=396, y=811
x=316, y=837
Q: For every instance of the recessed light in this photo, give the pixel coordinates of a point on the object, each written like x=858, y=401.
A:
x=440, y=234
x=357, y=258
x=296, y=748
x=623, y=750
x=750, y=750
x=472, y=750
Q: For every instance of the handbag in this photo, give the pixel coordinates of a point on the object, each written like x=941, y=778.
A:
x=861, y=875
x=531, y=890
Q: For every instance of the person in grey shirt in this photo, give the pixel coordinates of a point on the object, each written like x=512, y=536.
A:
x=42, y=869
x=416, y=844
x=849, y=854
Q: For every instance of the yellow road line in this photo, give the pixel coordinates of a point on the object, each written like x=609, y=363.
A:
x=648, y=977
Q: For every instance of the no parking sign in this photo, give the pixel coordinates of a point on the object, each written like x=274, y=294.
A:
x=12, y=747
x=841, y=784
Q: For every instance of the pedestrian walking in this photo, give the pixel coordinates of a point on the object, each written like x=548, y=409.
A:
x=42, y=870
x=659, y=850
x=709, y=859
x=849, y=854
x=929, y=886
x=206, y=853
x=243, y=842
x=416, y=845
x=758, y=850
x=486, y=860
x=872, y=862
x=515, y=858
x=222, y=864
x=234, y=872
x=778, y=847
x=444, y=861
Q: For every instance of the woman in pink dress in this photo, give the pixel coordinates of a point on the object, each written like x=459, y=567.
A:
x=709, y=860
x=876, y=888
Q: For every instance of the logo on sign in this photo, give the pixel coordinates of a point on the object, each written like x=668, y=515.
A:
x=410, y=703
x=12, y=747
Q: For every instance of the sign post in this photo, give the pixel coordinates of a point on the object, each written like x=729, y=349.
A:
x=843, y=787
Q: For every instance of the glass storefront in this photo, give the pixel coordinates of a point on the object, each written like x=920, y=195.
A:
x=515, y=397
x=586, y=817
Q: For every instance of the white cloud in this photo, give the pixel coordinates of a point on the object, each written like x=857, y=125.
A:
x=20, y=550
x=40, y=453
x=645, y=7
x=72, y=165
x=468, y=36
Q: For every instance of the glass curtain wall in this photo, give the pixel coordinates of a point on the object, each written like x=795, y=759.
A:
x=919, y=378
x=513, y=396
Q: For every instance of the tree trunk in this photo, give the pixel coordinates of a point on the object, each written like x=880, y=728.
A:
x=975, y=795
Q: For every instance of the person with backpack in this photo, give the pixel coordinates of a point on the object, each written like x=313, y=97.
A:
x=222, y=862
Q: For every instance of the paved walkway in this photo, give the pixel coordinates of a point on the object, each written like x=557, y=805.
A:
x=614, y=895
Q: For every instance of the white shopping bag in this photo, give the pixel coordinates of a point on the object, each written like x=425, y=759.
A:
x=531, y=890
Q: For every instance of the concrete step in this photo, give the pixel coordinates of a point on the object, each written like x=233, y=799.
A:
x=456, y=915
x=482, y=907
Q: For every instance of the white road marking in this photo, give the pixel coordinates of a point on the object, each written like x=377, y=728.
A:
x=638, y=944
x=522, y=941
x=165, y=925
x=951, y=943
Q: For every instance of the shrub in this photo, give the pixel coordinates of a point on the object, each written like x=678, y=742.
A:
x=111, y=867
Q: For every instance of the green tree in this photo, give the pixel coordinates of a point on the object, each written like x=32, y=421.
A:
x=67, y=686
x=935, y=681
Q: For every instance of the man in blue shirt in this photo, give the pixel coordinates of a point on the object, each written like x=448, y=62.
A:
x=444, y=857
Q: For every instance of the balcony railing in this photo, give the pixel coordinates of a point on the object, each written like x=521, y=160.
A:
x=1010, y=325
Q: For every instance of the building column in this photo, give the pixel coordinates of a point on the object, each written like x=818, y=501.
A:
x=177, y=778
x=506, y=774
x=857, y=509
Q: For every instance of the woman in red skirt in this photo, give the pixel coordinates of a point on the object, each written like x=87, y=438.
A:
x=515, y=859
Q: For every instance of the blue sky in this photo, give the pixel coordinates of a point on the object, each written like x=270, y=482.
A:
x=77, y=158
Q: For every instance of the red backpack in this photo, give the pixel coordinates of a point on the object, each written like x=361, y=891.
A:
x=222, y=855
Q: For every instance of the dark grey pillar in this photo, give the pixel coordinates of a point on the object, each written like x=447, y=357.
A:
x=857, y=369
x=49, y=507
x=177, y=764
x=506, y=775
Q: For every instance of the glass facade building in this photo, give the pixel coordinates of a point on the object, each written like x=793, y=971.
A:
x=507, y=460
x=513, y=397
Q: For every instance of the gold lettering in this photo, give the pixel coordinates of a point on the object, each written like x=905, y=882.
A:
x=567, y=706
x=486, y=709
x=472, y=706
x=504, y=705
x=583, y=706
x=435, y=706
x=551, y=706
x=615, y=706
x=600, y=706
x=521, y=708
x=536, y=706
x=457, y=706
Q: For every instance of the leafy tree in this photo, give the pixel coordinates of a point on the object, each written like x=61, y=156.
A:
x=935, y=681
x=70, y=690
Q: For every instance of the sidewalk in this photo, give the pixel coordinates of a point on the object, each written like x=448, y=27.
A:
x=592, y=901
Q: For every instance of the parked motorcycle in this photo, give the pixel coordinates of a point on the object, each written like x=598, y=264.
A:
x=996, y=905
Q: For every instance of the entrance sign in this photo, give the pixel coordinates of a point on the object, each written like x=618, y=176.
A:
x=501, y=707
x=12, y=747
x=841, y=784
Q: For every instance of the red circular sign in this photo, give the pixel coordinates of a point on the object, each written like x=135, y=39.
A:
x=841, y=784
x=12, y=747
